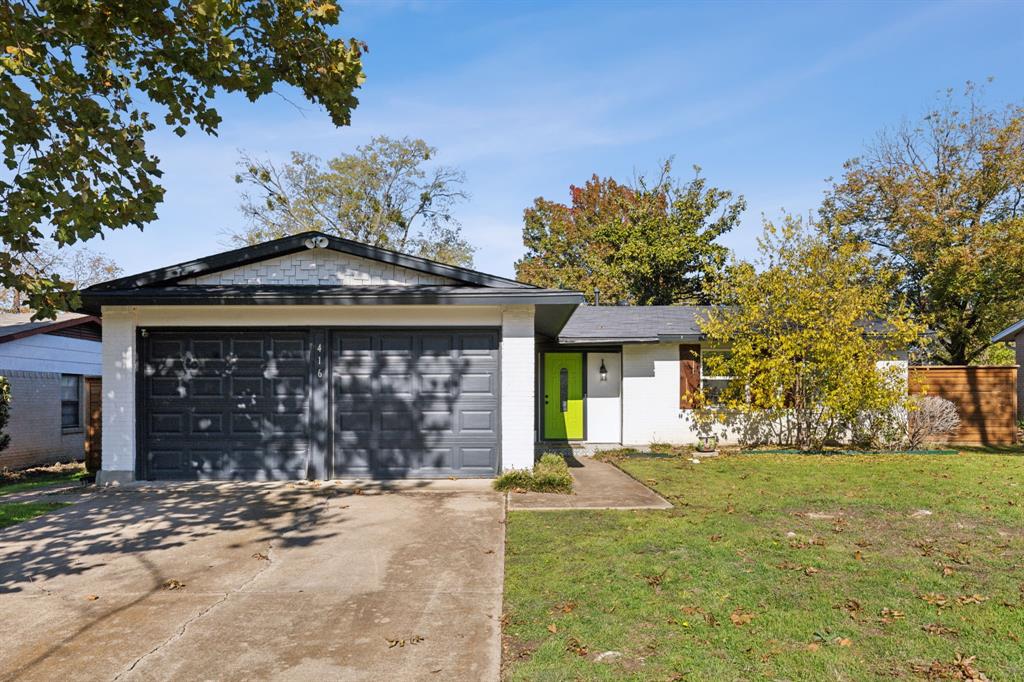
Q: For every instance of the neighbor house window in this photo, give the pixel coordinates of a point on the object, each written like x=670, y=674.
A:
x=714, y=375
x=70, y=401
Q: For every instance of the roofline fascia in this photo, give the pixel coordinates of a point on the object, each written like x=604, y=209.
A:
x=293, y=244
x=53, y=327
x=95, y=300
x=1010, y=333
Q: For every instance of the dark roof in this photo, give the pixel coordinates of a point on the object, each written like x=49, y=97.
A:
x=553, y=306
x=633, y=324
x=293, y=244
x=20, y=325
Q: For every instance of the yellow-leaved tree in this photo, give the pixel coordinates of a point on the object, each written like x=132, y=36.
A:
x=814, y=342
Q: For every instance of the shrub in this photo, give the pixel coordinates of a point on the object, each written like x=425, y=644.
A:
x=549, y=475
x=930, y=417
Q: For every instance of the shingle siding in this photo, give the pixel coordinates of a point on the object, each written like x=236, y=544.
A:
x=320, y=267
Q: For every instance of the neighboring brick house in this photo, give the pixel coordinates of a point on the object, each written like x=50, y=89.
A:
x=1015, y=334
x=53, y=367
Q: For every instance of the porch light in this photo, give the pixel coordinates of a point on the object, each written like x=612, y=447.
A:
x=603, y=371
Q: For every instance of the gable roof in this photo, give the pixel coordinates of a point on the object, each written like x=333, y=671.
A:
x=633, y=324
x=1010, y=333
x=15, y=326
x=174, y=274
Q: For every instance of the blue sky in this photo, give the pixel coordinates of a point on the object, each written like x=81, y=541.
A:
x=528, y=98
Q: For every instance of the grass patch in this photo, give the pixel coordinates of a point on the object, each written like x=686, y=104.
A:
x=27, y=479
x=549, y=475
x=16, y=512
x=778, y=567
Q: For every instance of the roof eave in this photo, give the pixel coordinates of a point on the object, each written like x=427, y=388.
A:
x=1010, y=333
x=294, y=244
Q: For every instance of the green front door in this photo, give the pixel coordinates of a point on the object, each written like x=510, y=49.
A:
x=563, y=396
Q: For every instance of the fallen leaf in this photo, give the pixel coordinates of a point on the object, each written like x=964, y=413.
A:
x=811, y=570
x=936, y=599
x=937, y=629
x=889, y=615
x=260, y=556
x=715, y=538
x=843, y=641
x=740, y=617
x=91, y=597
x=813, y=646
x=965, y=599
x=172, y=584
x=552, y=628
x=574, y=646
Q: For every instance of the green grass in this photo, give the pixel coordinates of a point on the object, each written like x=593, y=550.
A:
x=823, y=553
x=16, y=482
x=16, y=512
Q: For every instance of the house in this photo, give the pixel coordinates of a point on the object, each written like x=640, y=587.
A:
x=53, y=367
x=1015, y=334
x=314, y=356
x=623, y=375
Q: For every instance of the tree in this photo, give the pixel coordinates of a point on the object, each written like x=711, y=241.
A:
x=805, y=330
x=383, y=194
x=647, y=243
x=79, y=266
x=81, y=81
x=942, y=202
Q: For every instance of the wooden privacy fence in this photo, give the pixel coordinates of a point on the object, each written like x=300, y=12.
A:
x=985, y=396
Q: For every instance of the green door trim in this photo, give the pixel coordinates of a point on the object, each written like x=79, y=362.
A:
x=575, y=427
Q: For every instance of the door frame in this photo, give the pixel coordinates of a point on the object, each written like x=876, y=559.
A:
x=540, y=391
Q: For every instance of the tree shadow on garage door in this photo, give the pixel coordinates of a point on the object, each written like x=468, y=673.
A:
x=419, y=403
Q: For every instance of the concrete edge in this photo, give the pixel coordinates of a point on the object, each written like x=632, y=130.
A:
x=106, y=477
x=649, y=507
x=653, y=491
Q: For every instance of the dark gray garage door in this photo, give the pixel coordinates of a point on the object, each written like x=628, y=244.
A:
x=225, y=405
x=261, y=405
x=415, y=403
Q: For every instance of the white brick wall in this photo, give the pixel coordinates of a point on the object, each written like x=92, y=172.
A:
x=320, y=267
x=34, y=425
x=517, y=387
x=650, y=396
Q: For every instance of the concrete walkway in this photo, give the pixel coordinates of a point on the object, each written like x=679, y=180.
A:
x=597, y=485
x=281, y=581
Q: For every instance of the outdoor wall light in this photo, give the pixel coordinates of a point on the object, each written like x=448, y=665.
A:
x=603, y=371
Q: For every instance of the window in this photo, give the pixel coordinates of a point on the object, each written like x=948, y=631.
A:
x=70, y=401
x=714, y=375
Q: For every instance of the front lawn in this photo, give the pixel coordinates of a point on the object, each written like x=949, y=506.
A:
x=778, y=567
x=19, y=481
x=16, y=512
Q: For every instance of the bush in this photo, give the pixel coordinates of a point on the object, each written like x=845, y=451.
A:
x=930, y=418
x=549, y=475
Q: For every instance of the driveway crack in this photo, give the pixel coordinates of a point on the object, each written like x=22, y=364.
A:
x=298, y=525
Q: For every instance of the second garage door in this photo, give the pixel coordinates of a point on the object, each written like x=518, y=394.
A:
x=414, y=402
x=244, y=404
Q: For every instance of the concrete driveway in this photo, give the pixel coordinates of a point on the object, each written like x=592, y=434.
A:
x=282, y=581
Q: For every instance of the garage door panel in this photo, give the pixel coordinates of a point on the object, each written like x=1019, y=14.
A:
x=226, y=404
x=400, y=400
